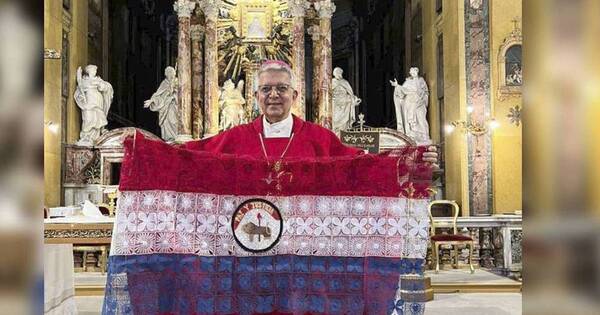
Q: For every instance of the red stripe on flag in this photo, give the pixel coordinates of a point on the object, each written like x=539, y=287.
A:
x=155, y=165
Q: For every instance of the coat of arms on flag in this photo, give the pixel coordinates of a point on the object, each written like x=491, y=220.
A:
x=257, y=225
x=200, y=233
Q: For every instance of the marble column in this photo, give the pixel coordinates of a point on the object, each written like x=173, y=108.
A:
x=315, y=34
x=297, y=9
x=184, y=9
x=325, y=9
x=250, y=69
x=478, y=97
x=211, y=64
x=197, y=33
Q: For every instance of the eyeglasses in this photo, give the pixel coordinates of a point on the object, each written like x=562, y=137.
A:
x=279, y=88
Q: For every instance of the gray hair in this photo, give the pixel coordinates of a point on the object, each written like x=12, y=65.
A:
x=272, y=66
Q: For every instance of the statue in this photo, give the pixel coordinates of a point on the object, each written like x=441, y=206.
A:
x=231, y=105
x=344, y=102
x=411, y=100
x=164, y=101
x=515, y=77
x=94, y=96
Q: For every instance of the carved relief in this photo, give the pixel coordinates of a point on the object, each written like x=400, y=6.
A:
x=79, y=164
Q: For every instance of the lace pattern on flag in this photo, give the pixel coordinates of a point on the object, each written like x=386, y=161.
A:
x=149, y=222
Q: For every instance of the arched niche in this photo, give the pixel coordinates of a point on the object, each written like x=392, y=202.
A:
x=510, y=75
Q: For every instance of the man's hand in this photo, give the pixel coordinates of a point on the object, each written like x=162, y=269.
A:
x=431, y=156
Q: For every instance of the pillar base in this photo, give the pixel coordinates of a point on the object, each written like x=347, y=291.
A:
x=422, y=290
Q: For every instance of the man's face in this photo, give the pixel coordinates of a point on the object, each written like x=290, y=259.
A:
x=275, y=105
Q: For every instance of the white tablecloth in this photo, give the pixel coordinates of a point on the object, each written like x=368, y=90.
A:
x=59, y=286
x=80, y=219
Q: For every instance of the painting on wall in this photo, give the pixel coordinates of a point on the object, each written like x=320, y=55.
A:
x=514, y=75
x=257, y=22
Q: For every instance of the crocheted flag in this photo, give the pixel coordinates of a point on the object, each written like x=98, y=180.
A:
x=199, y=233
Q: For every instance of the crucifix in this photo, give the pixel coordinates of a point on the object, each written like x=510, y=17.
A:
x=361, y=120
x=515, y=21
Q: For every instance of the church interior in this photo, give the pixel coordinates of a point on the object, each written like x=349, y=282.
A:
x=381, y=74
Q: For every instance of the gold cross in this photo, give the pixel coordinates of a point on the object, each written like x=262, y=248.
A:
x=515, y=21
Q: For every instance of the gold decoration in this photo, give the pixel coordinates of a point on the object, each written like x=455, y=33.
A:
x=410, y=190
x=250, y=31
x=51, y=54
x=473, y=127
x=277, y=166
x=515, y=115
x=432, y=192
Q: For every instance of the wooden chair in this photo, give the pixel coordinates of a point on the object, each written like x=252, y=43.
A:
x=453, y=239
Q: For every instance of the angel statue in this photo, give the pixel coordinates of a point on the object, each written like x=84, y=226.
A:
x=94, y=96
x=231, y=105
x=164, y=101
x=344, y=102
x=411, y=100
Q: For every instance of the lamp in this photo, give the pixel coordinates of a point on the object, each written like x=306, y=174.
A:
x=474, y=128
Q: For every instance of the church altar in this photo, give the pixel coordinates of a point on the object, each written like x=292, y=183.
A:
x=78, y=231
x=90, y=240
x=64, y=237
x=227, y=40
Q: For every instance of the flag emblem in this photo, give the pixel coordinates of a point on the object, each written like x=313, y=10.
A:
x=257, y=225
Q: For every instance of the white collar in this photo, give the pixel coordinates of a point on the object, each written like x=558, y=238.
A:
x=280, y=129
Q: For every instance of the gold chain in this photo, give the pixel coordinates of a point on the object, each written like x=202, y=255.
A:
x=277, y=166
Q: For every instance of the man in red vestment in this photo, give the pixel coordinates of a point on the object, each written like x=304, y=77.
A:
x=277, y=133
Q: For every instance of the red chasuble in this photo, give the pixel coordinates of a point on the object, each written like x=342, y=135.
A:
x=309, y=140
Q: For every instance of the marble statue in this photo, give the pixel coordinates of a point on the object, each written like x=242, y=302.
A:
x=164, y=101
x=344, y=102
x=231, y=105
x=515, y=77
x=94, y=96
x=411, y=100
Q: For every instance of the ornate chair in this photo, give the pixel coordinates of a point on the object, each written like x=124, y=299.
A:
x=453, y=239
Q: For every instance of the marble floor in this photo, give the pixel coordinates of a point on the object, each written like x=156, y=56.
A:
x=89, y=305
x=464, y=276
x=475, y=304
